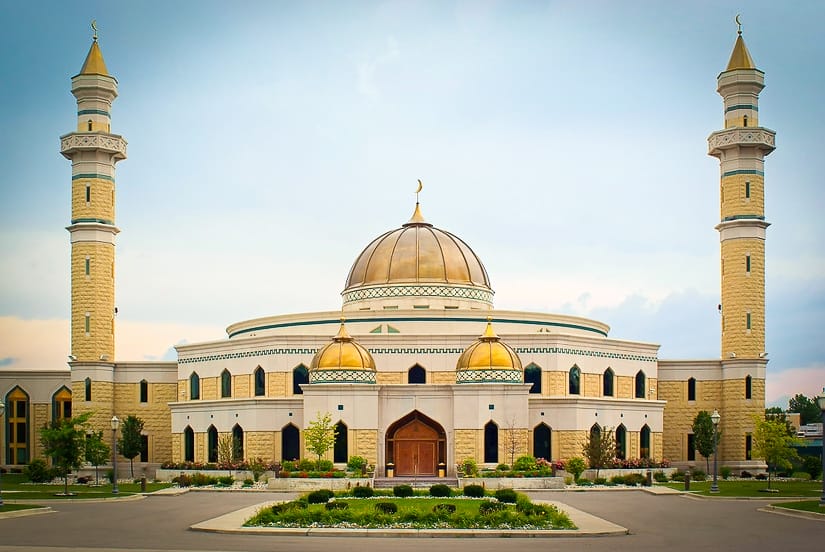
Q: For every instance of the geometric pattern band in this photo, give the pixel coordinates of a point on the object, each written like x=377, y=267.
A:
x=341, y=376
x=418, y=291
x=488, y=376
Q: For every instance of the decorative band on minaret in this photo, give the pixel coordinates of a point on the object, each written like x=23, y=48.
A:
x=741, y=148
x=93, y=151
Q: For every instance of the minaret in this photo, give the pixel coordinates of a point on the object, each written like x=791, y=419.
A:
x=741, y=148
x=93, y=151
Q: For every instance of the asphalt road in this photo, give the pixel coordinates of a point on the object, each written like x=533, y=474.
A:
x=655, y=523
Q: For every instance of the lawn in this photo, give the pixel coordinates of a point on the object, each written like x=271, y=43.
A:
x=15, y=486
x=6, y=507
x=805, y=506
x=753, y=488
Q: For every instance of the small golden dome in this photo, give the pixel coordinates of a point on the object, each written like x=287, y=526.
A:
x=489, y=353
x=342, y=354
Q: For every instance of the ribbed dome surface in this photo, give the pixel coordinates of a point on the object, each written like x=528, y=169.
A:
x=488, y=352
x=342, y=354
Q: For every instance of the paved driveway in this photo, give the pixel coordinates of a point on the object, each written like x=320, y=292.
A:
x=655, y=522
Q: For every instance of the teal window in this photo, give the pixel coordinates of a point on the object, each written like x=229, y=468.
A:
x=226, y=384
x=300, y=375
x=88, y=268
x=747, y=190
x=194, y=386
x=574, y=381
x=532, y=375
x=748, y=320
x=747, y=263
x=88, y=193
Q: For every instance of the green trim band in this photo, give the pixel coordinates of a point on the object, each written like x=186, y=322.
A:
x=94, y=112
x=743, y=171
x=742, y=106
x=101, y=221
x=743, y=217
x=93, y=175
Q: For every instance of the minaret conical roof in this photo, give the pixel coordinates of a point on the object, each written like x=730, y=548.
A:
x=740, y=58
x=94, y=64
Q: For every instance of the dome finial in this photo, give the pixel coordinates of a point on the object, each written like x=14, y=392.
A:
x=738, y=23
x=417, y=217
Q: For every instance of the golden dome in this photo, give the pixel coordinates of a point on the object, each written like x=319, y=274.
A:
x=345, y=356
x=417, y=253
x=490, y=358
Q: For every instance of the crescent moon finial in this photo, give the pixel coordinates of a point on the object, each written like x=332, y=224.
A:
x=738, y=23
x=418, y=191
x=94, y=28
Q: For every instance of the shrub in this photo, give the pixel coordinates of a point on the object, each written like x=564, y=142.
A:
x=678, y=476
x=633, y=479
x=576, y=467
x=325, y=465
x=386, y=507
x=227, y=480
x=599, y=481
x=745, y=474
x=402, y=491
x=182, y=480
x=439, y=489
x=288, y=466
x=524, y=463
x=444, y=509
x=469, y=467
x=489, y=506
x=660, y=477
x=363, y=492
x=698, y=475
x=617, y=480
x=357, y=463
x=502, y=467
x=338, y=505
x=725, y=472
x=805, y=476
x=812, y=465
x=761, y=476
x=306, y=465
x=475, y=491
x=248, y=482
x=320, y=496
x=38, y=472
x=506, y=495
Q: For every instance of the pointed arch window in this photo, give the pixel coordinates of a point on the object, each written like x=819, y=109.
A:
x=621, y=442
x=87, y=389
x=542, y=436
x=212, y=444
x=260, y=382
x=290, y=442
x=416, y=374
x=748, y=387
x=691, y=389
x=144, y=391
x=237, y=443
x=574, y=383
x=595, y=432
x=300, y=376
x=644, y=442
x=17, y=426
x=532, y=374
x=640, y=384
x=340, y=450
x=62, y=404
x=226, y=384
x=194, y=386
x=188, y=444
x=491, y=443
x=607, y=382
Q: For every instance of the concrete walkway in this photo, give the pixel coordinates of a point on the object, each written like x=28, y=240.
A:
x=588, y=526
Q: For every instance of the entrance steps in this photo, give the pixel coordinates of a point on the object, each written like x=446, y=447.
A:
x=414, y=482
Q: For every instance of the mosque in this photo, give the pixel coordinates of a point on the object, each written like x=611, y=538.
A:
x=417, y=368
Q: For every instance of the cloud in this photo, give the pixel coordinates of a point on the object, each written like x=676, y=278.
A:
x=366, y=71
x=780, y=386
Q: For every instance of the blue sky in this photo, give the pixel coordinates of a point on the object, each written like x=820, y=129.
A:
x=269, y=142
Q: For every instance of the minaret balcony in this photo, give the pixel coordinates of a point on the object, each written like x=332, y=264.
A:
x=762, y=138
x=93, y=141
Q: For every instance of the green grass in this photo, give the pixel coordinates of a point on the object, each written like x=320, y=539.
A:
x=15, y=486
x=805, y=506
x=753, y=488
x=6, y=507
x=419, y=505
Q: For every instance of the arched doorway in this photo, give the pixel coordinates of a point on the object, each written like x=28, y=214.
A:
x=290, y=442
x=541, y=441
x=416, y=445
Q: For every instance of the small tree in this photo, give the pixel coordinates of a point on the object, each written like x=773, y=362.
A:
x=511, y=437
x=599, y=449
x=575, y=466
x=703, y=436
x=131, y=442
x=226, y=449
x=320, y=435
x=64, y=440
x=97, y=451
x=772, y=443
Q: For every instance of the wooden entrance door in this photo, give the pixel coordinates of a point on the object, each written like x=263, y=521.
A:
x=416, y=449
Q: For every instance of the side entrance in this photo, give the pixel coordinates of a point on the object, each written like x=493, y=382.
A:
x=416, y=445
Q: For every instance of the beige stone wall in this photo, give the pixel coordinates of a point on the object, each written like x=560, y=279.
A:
x=364, y=442
x=210, y=388
x=567, y=444
x=94, y=294
x=100, y=406
x=260, y=444
x=39, y=416
x=737, y=416
x=390, y=378
x=241, y=386
x=101, y=196
x=625, y=387
x=743, y=292
x=556, y=383
x=177, y=447
x=512, y=444
x=468, y=444
x=155, y=414
x=732, y=195
x=591, y=385
x=447, y=378
x=278, y=384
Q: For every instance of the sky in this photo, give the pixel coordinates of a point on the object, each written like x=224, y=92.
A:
x=270, y=142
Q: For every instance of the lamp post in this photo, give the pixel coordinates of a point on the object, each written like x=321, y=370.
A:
x=715, y=417
x=115, y=424
x=820, y=401
x=2, y=410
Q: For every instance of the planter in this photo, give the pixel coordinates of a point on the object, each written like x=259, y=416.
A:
x=520, y=483
x=239, y=475
x=608, y=473
x=314, y=483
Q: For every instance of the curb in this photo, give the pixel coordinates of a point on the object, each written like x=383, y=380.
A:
x=25, y=513
x=792, y=513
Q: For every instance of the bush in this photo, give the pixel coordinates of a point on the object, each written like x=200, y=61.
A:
x=524, y=463
x=812, y=465
x=575, y=466
x=599, y=481
x=761, y=476
x=502, y=467
x=745, y=474
x=363, y=492
x=320, y=496
x=386, y=507
x=617, y=480
x=475, y=491
x=227, y=480
x=725, y=472
x=402, y=491
x=357, y=463
x=306, y=465
x=469, y=467
x=659, y=477
x=444, y=509
x=248, y=482
x=38, y=471
x=338, y=505
x=805, y=476
x=326, y=465
x=633, y=479
x=488, y=507
x=439, y=489
x=288, y=466
x=678, y=476
x=698, y=475
x=182, y=480
x=506, y=495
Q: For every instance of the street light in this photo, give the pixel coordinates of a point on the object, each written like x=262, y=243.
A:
x=715, y=417
x=2, y=409
x=115, y=424
x=820, y=401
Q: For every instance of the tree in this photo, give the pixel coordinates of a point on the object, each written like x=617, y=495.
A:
x=320, y=435
x=600, y=448
x=703, y=436
x=575, y=466
x=226, y=449
x=808, y=410
x=131, y=441
x=64, y=440
x=777, y=413
x=511, y=439
x=97, y=451
x=772, y=443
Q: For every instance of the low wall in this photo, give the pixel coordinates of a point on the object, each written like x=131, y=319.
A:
x=608, y=473
x=239, y=475
x=520, y=483
x=313, y=483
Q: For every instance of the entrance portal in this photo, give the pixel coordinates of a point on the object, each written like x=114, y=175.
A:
x=416, y=444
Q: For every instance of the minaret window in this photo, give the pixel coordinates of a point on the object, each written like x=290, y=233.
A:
x=144, y=391
x=745, y=120
x=88, y=323
x=748, y=387
x=747, y=190
x=692, y=389
x=640, y=385
x=87, y=388
x=747, y=263
x=88, y=267
x=88, y=194
x=607, y=383
x=194, y=386
x=748, y=320
x=226, y=384
x=89, y=125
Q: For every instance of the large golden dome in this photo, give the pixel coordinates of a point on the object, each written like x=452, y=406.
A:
x=342, y=361
x=488, y=360
x=417, y=260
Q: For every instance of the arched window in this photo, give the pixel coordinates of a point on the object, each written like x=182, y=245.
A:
x=691, y=389
x=595, y=432
x=188, y=445
x=237, y=442
x=621, y=442
x=745, y=120
x=607, y=382
x=290, y=442
x=89, y=125
x=260, y=382
x=226, y=384
x=194, y=386
x=416, y=374
x=491, y=443
x=574, y=385
x=640, y=385
x=300, y=376
x=532, y=374
x=748, y=387
x=541, y=441
x=17, y=427
x=62, y=404
x=144, y=391
x=644, y=442
x=87, y=389
x=339, y=450
x=212, y=444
